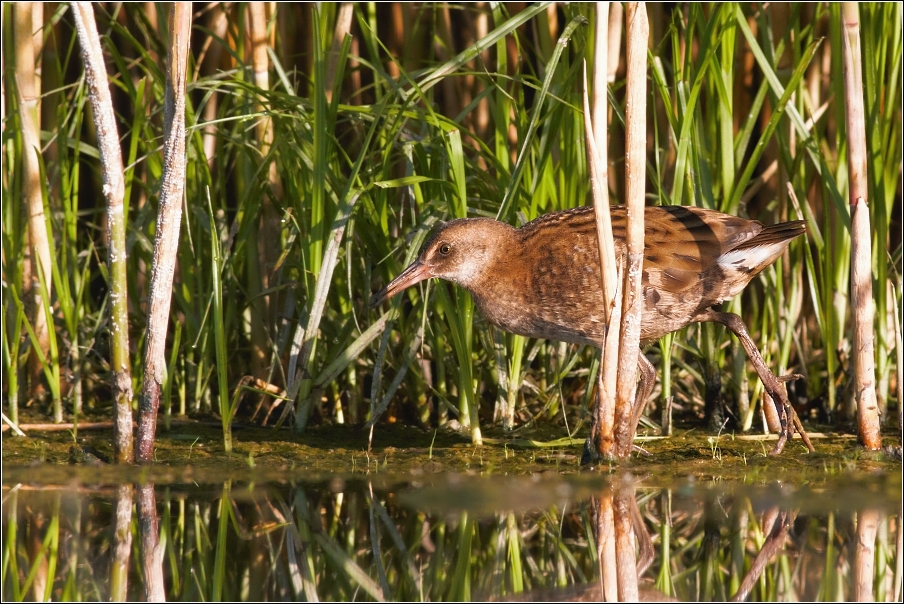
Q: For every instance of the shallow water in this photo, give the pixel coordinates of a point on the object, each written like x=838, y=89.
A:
x=396, y=529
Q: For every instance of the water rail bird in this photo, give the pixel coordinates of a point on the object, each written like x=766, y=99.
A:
x=543, y=280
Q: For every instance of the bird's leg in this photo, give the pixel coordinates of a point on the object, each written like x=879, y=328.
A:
x=647, y=380
x=591, y=454
x=788, y=417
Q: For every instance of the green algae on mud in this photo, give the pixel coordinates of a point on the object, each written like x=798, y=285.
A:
x=342, y=450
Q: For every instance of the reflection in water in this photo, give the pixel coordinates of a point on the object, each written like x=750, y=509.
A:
x=122, y=544
x=451, y=538
x=151, y=548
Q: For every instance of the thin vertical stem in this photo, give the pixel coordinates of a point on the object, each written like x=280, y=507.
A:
x=597, y=135
x=166, y=243
x=264, y=237
x=863, y=355
x=38, y=262
x=114, y=192
x=638, y=34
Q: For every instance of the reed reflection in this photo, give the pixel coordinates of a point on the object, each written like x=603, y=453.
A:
x=450, y=538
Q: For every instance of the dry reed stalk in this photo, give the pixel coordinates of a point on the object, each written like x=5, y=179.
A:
x=444, y=47
x=37, y=37
x=37, y=261
x=166, y=242
x=616, y=16
x=599, y=140
x=396, y=39
x=342, y=29
x=638, y=34
x=114, y=192
x=265, y=238
x=212, y=51
x=482, y=62
x=596, y=133
x=615, y=26
x=863, y=339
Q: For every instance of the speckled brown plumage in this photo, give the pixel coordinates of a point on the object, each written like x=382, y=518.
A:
x=543, y=280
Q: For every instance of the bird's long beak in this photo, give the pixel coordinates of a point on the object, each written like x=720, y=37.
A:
x=415, y=273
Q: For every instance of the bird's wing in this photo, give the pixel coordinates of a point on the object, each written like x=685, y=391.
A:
x=681, y=243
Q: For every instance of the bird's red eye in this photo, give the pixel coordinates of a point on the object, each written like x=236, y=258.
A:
x=445, y=249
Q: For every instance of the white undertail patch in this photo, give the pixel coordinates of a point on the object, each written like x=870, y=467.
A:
x=750, y=258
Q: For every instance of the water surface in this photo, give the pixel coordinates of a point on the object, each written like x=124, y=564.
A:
x=412, y=525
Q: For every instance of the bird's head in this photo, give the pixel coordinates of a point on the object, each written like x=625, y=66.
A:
x=460, y=251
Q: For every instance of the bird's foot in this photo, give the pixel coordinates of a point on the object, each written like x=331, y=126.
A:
x=783, y=437
x=790, y=421
x=590, y=456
